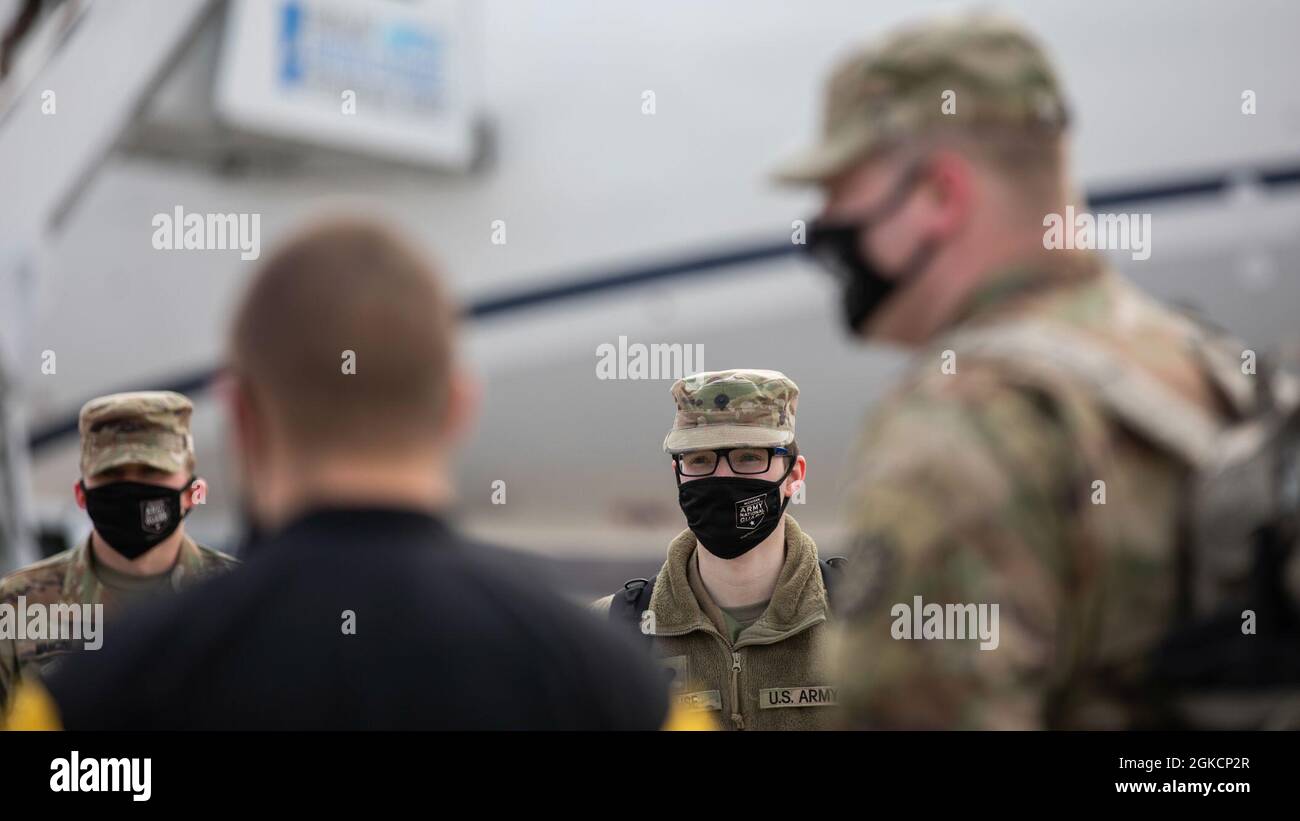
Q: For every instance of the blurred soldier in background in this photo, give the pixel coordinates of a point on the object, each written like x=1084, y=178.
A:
x=739, y=625
x=362, y=608
x=137, y=484
x=1042, y=453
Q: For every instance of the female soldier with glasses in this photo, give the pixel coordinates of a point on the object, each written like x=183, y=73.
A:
x=737, y=615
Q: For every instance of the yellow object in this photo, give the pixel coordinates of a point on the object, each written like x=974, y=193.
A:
x=681, y=719
x=32, y=708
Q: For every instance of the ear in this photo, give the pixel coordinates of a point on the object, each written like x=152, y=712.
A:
x=797, y=474
x=464, y=394
x=195, y=494
x=79, y=494
x=234, y=396
x=952, y=192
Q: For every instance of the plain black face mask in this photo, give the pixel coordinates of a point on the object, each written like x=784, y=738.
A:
x=837, y=246
x=132, y=517
x=729, y=515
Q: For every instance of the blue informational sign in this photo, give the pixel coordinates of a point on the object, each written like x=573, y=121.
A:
x=398, y=79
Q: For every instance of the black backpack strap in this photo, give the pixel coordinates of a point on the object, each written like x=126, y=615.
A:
x=629, y=603
x=1208, y=652
x=832, y=573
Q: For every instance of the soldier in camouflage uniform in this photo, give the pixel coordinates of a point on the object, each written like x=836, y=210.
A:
x=137, y=468
x=737, y=615
x=1035, y=456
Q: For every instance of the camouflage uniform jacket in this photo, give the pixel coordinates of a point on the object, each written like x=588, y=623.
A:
x=1011, y=484
x=69, y=578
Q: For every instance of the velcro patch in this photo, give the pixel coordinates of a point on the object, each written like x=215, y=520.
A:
x=674, y=669
x=700, y=700
x=773, y=697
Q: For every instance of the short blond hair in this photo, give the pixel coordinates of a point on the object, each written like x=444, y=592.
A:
x=1033, y=164
x=347, y=285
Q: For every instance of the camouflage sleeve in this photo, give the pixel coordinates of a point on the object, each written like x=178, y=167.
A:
x=8, y=670
x=212, y=562
x=962, y=501
x=8, y=649
x=32, y=708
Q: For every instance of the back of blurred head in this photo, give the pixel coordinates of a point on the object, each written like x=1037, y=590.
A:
x=342, y=382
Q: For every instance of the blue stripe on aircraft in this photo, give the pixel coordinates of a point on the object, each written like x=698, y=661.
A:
x=719, y=261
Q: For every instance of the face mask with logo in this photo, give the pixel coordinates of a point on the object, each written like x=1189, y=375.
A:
x=133, y=517
x=837, y=246
x=729, y=515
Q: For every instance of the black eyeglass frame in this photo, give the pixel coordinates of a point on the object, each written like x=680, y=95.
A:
x=725, y=453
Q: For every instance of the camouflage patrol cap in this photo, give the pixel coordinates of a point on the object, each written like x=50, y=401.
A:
x=143, y=428
x=896, y=88
x=730, y=409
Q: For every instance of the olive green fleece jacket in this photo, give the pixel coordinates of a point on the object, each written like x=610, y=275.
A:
x=775, y=676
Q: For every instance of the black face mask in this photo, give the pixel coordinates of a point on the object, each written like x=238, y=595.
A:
x=731, y=514
x=133, y=516
x=837, y=246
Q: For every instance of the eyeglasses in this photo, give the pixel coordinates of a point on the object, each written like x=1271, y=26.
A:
x=743, y=461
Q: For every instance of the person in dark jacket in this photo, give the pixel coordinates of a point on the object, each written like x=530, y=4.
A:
x=360, y=607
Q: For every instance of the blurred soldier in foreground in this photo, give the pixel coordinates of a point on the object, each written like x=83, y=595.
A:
x=361, y=608
x=1058, y=451
x=137, y=484
x=737, y=615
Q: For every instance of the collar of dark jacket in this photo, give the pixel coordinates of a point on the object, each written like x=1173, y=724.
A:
x=798, y=602
x=80, y=576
